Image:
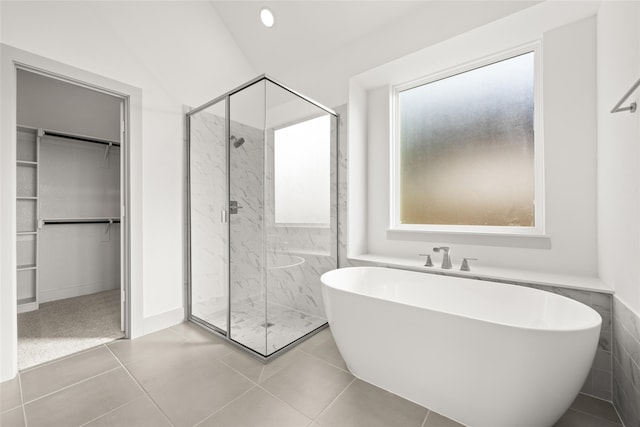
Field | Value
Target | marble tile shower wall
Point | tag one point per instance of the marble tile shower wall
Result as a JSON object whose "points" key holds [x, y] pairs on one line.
{"points": [[289, 283], [207, 233], [600, 379], [343, 171], [246, 169], [209, 237], [298, 285], [626, 363]]}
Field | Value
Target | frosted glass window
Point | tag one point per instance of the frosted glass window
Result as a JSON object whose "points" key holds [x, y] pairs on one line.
{"points": [[302, 172], [466, 154]]}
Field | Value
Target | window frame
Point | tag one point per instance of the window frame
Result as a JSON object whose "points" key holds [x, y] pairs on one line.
{"points": [[538, 229]]}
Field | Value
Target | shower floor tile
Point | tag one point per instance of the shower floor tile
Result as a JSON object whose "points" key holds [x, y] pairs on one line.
{"points": [[283, 325]]}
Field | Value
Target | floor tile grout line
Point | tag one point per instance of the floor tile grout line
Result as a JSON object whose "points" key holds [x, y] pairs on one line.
{"points": [[13, 408], [597, 416], [618, 414], [224, 406], [596, 398], [325, 361], [111, 411], [424, 422], [285, 402], [24, 411], [236, 371], [144, 391], [84, 380], [334, 399], [65, 357]]}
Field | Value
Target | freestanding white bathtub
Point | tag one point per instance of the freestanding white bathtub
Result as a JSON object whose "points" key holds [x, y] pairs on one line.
{"points": [[484, 354]]}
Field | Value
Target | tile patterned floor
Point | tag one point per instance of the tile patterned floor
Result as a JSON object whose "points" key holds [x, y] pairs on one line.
{"points": [[184, 376]]}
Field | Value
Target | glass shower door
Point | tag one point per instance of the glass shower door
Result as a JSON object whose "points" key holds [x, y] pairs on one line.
{"points": [[246, 218], [262, 214], [208, 228]]}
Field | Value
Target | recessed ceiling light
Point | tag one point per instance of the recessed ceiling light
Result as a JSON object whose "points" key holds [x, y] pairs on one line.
{"points": [[267, 18]]}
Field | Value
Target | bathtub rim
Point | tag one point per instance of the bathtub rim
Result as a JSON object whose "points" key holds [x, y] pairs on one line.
{"points": [[597, 318]]}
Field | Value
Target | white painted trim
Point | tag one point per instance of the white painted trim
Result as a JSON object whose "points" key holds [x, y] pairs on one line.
{"points": [[164, 320], [23, 308], [538, 229], [11, 57]]}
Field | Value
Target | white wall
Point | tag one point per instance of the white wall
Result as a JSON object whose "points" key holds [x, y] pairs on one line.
{"points": [[325, 79], [177, 53], [52, 104], [619, 151], [568, 33]]}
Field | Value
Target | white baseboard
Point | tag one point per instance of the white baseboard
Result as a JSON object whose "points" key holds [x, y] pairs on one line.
{"points": [[163, 320], [76, 291]]}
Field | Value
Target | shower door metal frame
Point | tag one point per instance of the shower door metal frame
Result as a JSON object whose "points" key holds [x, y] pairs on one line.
{"points": [[226, 334]]}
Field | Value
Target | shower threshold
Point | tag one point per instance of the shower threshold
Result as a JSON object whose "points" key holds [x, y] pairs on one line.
{"points": [[252, 331]]}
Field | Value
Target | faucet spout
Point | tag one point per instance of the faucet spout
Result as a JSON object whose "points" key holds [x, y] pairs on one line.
{"points": [[446, 258]]}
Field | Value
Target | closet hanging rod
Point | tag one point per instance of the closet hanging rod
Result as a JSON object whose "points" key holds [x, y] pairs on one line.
{"points": [[633, 106], [80, 138], [81, 221]]}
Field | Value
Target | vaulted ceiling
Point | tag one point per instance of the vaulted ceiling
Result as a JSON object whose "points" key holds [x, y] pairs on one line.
{"points": [[315, 46]]}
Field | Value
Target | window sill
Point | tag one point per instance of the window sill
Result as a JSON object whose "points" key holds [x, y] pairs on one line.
{"points": [[582, 283], [533, 241]]}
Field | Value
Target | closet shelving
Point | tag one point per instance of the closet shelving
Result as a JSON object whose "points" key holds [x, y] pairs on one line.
{"points": [[27, 158], [29, 221]]}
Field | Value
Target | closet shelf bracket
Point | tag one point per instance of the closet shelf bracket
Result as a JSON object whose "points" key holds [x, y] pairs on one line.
{"points": [[106, 154], [108, 227], [633, 106]]}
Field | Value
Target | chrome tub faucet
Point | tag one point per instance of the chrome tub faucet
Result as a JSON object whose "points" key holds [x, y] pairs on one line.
{"points": [[446, 258]]}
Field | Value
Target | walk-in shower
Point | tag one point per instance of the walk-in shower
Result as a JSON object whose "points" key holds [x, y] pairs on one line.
{"points": [[262, 221]]}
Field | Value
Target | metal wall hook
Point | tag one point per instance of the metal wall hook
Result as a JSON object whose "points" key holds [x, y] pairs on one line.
{"points": [[633, 106]]}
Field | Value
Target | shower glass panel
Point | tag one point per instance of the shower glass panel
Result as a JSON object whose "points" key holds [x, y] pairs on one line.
{"points": [[263, 199], [300, 220], [208, 229], [246, 221]]}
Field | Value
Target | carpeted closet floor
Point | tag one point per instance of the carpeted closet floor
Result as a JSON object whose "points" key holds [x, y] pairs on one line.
{"points": [[63, 327]]}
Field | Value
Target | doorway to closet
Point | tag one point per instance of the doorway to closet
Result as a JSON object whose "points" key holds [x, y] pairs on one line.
{"points": [[70, 282]]}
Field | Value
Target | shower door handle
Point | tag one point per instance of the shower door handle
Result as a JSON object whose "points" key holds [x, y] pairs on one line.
{"points": [[233, 207], [223, 216]]}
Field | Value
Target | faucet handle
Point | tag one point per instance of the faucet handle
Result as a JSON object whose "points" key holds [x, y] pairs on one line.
{"points": [[465, 264], [428, 262]]}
